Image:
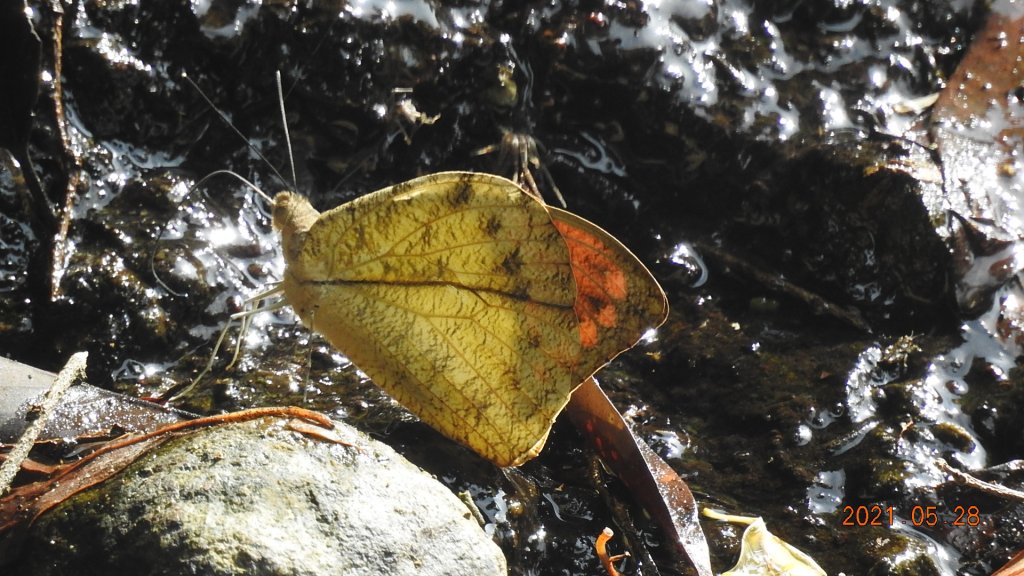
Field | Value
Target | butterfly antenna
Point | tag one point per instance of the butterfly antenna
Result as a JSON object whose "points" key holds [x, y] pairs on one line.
{"points": [[197, 186], [287, 136], [231, 125]]}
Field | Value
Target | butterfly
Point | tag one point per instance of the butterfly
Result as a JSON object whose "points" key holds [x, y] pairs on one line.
{"points": [[468, 300]]}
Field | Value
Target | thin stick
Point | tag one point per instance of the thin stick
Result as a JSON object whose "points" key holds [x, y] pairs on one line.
{"points": [[74, 368], [978, 484], [215, 420]]}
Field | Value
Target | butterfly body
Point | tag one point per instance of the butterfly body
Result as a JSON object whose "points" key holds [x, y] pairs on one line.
{"points": [[457, 293]]}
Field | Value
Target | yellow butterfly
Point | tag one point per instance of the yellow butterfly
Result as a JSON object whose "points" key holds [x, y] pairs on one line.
{"points": [[469, 301]]}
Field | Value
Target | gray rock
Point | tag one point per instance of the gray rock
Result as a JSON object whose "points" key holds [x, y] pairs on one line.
{"points": [[258, 498]]}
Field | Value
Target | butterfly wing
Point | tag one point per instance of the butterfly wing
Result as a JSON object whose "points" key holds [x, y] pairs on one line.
{"points": [[455, 293], [617, 298]]}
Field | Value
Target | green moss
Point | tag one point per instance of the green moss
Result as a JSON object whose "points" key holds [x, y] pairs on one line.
{"points": [[954, 435]]}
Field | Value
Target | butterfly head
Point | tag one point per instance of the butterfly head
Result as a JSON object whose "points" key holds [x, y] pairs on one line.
{"points": [[292, 217]]}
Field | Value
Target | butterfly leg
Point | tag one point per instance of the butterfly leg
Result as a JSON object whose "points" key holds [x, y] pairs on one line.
{"points": [[245, 317], [519, 153]]}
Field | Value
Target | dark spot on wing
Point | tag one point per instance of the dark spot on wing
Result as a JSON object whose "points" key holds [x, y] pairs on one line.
{"points": [[533, 339], [463, 191], [518, 291], [492, 226], [512, 263]]}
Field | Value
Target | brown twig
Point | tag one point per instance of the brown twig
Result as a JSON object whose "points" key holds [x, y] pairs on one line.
{"points": [[230, 418], [776, 283], [978, 484], [73, 167]]}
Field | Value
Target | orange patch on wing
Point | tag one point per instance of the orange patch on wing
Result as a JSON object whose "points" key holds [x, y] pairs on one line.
{"points": [[600, 282]]}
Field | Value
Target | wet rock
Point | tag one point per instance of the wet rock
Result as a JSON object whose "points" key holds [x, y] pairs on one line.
{"points": [[258, 498], [992, 536], [915, 565]]}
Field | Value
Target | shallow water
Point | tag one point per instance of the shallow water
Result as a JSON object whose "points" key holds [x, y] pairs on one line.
{"points": [[742, 131]]}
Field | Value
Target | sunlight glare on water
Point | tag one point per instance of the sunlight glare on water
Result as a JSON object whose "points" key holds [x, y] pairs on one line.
{"points": [[242, 16], [387, 10], [827, 491], [220, 236]]}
